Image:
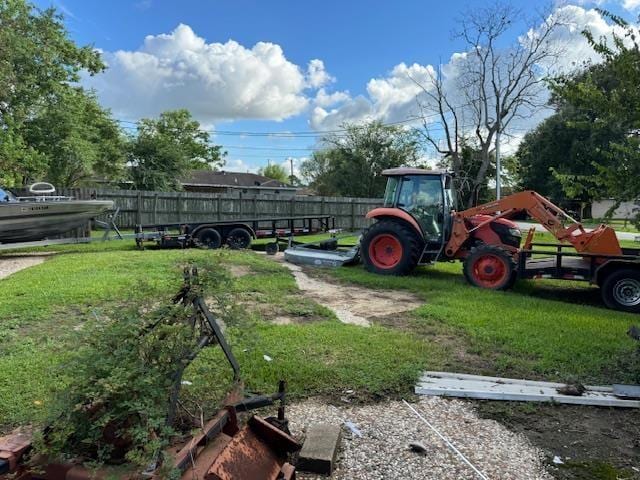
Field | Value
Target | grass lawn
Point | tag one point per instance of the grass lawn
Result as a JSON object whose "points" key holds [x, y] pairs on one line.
{"points": [[44, 307], [550, 330], [554, 330]]}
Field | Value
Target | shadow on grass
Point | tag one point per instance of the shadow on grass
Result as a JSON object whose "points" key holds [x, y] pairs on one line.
{"points": [[582, 294], [569, 292]]}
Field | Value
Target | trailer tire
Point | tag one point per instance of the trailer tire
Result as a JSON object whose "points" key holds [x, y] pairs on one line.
{"points": [[620, 290], [238, 239], [490, 267], [208, 238], [390, 248], [271, 248]]}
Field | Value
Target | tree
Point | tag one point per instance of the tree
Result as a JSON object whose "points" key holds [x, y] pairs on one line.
{"points": [[351, 163], [606, 102], [557, 158], [275, 171], [77, 139], [38, 62], [166, 148], [496, 85]]}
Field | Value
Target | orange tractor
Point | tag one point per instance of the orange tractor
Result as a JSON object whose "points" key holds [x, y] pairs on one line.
{"points": [[418, 224]]}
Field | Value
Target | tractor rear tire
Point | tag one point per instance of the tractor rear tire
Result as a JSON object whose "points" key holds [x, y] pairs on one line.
{"points": [[490, 267], [621, 290], [390, 248]]}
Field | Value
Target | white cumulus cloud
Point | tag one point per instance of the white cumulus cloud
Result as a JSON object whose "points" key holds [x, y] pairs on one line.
{"points": [[631, 5], [317, 76], [215, 81], [395, 96], [390, 98], [325, 99]]}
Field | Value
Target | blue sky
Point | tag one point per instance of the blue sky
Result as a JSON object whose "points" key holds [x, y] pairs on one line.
{"points": [[361, 46]]}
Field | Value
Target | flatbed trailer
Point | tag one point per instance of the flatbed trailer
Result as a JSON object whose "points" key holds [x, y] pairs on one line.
{"points": [[614, 274], [236, 234], [569, 265]]}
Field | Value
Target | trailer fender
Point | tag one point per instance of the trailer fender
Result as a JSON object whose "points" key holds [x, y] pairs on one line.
{"points": [[395, 214], [611, 266]]}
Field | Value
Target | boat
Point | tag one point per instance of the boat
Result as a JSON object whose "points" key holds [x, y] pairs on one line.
{"points": [[42, 214]]}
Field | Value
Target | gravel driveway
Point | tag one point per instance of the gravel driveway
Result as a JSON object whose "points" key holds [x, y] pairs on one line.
{"points": [[382, 452]]}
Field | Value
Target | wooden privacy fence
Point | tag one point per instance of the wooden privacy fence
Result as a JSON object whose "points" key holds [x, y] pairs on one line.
{"points": [[142, 207]]}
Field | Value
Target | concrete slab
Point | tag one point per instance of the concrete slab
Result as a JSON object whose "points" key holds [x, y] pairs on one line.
{"points": [[320, 449]]}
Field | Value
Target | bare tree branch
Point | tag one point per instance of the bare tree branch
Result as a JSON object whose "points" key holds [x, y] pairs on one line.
{"points": [[498, 84]]}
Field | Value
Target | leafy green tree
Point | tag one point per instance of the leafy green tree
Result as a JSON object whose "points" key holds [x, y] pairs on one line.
{"points": [[275, 171], [558, 157], [167, 147], [351, 164], [78, 139], [38, 62], [605, 101]]}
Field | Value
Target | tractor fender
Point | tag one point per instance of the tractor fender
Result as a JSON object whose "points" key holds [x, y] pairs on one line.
{"points": [[395, 213]]}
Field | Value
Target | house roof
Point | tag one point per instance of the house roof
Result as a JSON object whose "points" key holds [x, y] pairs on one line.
{"points": [[207, 178]]}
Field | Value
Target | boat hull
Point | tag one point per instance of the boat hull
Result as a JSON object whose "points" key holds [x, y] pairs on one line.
{"points": [[31, 221]]}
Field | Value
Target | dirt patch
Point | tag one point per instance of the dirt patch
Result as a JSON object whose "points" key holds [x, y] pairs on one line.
{"points": [[592, 442], [379, 448], [253, 302], [285, 320], [10, 264], [238, 271], [351, 304]]}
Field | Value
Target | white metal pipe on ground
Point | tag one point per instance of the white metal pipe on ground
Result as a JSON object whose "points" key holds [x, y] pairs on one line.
{"points": [[447, 442]]}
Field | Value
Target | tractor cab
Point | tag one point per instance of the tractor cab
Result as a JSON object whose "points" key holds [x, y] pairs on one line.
{"points": [[414, 224], [425, 195]]}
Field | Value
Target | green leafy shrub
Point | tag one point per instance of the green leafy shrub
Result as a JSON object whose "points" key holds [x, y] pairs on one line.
{"points": [[121, 400]]}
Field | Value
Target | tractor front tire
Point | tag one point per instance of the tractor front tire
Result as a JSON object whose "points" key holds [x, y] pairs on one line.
{"points": [[390, 248], [490, 267]]}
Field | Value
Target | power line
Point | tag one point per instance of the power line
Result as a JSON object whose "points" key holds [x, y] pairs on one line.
{"points": [[243, 147]]}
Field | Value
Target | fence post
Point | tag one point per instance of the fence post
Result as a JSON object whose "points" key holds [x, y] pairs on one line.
{"points": [[240, 205], [155, 208], [218, 202], [292, 211], [179, 207], [139, 208], [255, 206], [353, 215]]}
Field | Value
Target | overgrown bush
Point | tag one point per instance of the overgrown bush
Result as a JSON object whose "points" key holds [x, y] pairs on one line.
{"points": [[118, 405]]}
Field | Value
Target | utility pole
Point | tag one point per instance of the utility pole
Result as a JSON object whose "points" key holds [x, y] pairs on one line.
{"points": [[498, 166], [291, 165]]}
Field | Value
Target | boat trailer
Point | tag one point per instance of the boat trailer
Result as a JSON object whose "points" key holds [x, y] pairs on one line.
{"points": [[223, 449]]}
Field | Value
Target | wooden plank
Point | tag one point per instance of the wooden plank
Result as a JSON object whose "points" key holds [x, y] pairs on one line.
{"points": [[514, 381], [495, 388]]}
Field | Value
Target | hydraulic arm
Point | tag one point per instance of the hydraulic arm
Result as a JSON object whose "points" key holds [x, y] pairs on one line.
{"points": [[601, 240]]}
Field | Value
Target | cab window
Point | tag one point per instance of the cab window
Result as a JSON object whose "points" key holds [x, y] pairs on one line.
{"points": [[421, 196], [390, 192]]}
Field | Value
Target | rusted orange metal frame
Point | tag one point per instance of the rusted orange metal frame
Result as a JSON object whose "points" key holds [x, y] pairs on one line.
{"points": [[600, 240]]}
